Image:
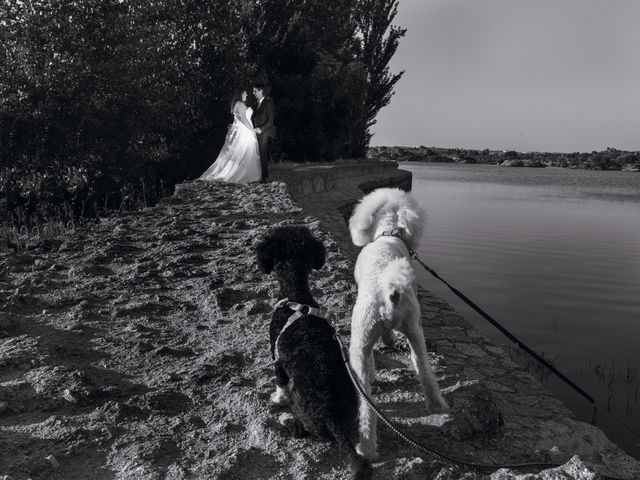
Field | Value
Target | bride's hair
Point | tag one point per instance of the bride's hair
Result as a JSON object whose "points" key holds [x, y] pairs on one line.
{"points": [[236, 97]]}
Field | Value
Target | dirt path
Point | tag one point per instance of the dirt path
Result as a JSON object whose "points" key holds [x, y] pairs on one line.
{"points": [[139, 350]]}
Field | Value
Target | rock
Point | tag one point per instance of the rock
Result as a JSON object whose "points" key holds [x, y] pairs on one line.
{"points": [[475, 415], [175, 352], [56, 267], [411, 469], [144, 347], [455, 473], [121, 412], [574, 469], [53, 461], [8, 324], [290, 423], [536, 164], [256, 307], [167, 402], [17, 396], [512, 163], [68, 396]]}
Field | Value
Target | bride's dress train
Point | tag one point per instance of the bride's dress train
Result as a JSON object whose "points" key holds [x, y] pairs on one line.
{"points": [[239, 159]]}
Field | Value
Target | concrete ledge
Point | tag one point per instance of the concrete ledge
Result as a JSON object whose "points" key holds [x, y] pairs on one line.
{"points": [[308, 178]]}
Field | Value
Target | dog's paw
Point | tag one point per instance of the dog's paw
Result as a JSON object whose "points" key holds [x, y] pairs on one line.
{"points": [[286, 419], [368, 452], [280, 397], [438, 406]]}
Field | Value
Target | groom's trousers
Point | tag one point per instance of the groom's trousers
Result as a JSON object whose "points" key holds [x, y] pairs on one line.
{"points": [[264, 148]]}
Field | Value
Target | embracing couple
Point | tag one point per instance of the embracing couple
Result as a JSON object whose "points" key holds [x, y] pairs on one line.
{"points": [[244, 157]]}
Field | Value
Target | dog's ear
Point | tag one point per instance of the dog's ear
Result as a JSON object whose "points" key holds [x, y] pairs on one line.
{"points": [[318, 253], [411, 219], [266, 251]]}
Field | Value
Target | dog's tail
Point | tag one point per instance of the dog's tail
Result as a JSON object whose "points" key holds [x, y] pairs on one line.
{"points": [[360, 466], [409, 216], [397, 279]]}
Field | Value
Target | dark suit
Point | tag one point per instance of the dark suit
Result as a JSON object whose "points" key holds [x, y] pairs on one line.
{"points": [[262, 118]]}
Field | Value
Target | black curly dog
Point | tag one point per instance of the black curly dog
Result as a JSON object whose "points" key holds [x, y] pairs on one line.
{"points": [[309, 365]]}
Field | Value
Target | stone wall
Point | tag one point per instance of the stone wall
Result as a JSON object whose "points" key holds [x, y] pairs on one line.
{"points": [[305, 178]]}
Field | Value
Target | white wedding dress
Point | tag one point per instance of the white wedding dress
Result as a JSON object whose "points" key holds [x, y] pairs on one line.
{"points": [[239, 159]]}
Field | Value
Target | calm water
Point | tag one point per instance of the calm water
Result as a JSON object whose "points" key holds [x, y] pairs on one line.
{"points": [[554, 255]]}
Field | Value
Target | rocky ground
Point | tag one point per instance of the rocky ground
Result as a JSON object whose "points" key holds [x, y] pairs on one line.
{"points": [[139, 350]]}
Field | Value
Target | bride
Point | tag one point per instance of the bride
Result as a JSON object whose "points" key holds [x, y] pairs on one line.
{"points": [[239, 160]]}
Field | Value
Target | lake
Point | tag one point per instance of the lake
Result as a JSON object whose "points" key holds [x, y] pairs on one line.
{"points": [[554, 255]]}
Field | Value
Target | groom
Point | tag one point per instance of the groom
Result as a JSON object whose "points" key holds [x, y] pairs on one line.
{"points": [[262, 120]]}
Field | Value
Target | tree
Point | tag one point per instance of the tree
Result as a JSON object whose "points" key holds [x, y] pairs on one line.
{"points": [[378, 43], [307, 51]]}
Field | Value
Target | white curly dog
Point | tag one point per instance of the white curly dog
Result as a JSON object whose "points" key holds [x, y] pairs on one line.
{"points": [[385, 222]]}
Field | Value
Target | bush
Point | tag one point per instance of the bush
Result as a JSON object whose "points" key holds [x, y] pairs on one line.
{"points": [[99, 96]]}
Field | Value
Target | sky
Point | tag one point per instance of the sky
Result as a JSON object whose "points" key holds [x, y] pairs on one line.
{"points": [[525, 75]]}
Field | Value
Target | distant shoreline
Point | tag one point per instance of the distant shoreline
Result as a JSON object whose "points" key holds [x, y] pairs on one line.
{"points": [[610, 159]]}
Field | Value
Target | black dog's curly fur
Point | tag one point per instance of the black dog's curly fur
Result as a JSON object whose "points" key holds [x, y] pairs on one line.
{"points": [[324, 403]]}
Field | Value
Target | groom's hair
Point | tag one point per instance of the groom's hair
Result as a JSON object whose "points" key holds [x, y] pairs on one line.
{"points": [[263, 87]]}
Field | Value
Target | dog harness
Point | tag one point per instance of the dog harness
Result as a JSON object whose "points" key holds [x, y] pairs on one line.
{"points": [[392, 232], [299, 311]]}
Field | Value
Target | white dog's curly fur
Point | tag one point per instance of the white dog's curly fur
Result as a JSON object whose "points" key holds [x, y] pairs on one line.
{"points": [[387, 296]]}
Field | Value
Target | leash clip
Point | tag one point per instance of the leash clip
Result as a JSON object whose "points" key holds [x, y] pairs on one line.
{"points": [[343, 349]]}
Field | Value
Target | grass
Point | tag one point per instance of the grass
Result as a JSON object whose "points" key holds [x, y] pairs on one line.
{"points": [[528, 363], [627, 376], [622, 383], [22, 230]]}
